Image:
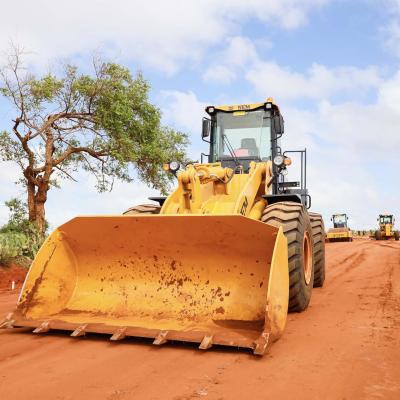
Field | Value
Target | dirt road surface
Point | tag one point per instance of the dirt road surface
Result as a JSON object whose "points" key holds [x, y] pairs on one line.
{"points": [[345, 346]]}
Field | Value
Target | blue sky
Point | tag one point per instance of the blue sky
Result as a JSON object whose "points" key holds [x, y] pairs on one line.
{"points": [[332, 66]]}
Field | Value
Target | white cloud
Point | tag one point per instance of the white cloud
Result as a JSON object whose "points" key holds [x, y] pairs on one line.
{"points": [[392, 34], [182, 109], [240, 57], [389, 93], [239, 52], [162, 34], [391, 28], [317, 83], [289, 14], [219, 73]]}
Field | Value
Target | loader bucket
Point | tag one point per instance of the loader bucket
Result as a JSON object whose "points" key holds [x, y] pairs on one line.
{"points": [[217, 279]]}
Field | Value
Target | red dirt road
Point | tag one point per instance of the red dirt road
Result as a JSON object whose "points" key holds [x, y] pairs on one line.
{"points": [[12, 273], [345, 346]]}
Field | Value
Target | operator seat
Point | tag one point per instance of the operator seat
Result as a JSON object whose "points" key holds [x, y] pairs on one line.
{"points": [[251, 145]]}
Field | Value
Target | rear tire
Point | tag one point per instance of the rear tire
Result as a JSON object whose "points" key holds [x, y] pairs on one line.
{"points": [[296, 225], [396, 235], [143, 209], [318, 230], [378, 235]]}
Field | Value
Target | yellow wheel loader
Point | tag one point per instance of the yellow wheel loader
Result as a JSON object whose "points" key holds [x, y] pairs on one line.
{"points": [[385, 231], [217, 262], [340, 231]]}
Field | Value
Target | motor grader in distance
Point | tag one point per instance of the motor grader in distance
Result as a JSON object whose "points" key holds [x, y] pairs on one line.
{"points": [[385, 230], [340, 231], [219, 261]]}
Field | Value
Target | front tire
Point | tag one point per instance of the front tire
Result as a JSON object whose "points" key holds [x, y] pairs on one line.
{"points": [[318, 230], [296, 225], [396, 235], [378, 235]]}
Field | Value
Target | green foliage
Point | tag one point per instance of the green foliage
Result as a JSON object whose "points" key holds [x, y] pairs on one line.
{"points": [[12, 245], [44, 89], [18, 214], [19, 237]]}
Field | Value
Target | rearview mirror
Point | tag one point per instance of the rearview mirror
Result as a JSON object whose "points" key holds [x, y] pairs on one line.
{"points": [[206, 128], [278, 124]]}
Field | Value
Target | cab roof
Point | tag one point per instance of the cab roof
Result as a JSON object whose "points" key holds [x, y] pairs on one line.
{"points": [[268, 104]]}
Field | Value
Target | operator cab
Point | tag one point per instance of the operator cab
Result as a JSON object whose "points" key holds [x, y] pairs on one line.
{"points": [[241, 137], [244, 133], [339, 220], [386, 219]]}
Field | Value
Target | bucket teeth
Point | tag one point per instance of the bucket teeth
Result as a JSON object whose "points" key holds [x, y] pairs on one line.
{"points": [[206, 343], [119, 334], [79, 331], [161, 338], [43, 328], [261, 344], [8, 322]]}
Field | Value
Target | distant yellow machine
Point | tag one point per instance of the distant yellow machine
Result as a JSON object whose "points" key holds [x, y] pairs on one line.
{"points": [[340, 231], [218, 261], [385, 230]]}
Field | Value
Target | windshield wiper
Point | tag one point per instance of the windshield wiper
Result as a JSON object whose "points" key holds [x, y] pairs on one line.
{"points": [[230, 148]]}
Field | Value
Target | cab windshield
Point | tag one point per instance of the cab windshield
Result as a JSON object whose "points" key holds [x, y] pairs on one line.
{"points": [[386, 219], [242, 134], [339, 221]]}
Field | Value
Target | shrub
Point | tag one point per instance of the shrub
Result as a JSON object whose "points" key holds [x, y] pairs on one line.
{"points": [[19, 237], [12, 245]]}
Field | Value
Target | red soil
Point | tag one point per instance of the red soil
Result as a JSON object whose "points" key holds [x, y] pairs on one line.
{"points": [[11, 273]]}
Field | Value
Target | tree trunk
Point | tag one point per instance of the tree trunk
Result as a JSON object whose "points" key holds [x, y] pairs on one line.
{"points": [[40, 218], [39, 186], [37, 197], [31, 201]]}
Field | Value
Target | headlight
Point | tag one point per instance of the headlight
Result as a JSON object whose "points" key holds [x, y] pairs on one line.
{"points": [[287, 161], [284, 172], [174, 166], [279, 160]]}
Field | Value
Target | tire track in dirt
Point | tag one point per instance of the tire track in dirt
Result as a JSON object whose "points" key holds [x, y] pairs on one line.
{"points": [[354, 256]]}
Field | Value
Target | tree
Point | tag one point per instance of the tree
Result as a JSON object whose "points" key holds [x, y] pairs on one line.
{"points": [[102, 123]]}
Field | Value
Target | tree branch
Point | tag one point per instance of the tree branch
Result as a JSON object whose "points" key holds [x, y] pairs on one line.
{"points": [[73, 150], [65, 172]]}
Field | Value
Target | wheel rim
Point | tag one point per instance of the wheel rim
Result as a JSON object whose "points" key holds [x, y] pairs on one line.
{"points": [[307, 257]]}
